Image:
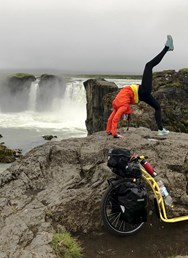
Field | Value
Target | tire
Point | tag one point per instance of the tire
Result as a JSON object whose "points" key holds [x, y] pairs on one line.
{"points": [[112, 214]]}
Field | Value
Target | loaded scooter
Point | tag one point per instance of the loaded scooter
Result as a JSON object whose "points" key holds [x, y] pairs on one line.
{"points": [[124, 203]]}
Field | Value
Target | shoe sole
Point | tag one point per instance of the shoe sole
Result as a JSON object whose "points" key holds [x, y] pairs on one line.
{"points": [[169, 37], [163, 134]]}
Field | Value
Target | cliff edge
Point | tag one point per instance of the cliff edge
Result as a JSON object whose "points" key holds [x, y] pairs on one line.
{"points": [[60, 184]]}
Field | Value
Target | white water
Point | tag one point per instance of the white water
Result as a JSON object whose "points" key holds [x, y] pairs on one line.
{"points": [[33, 94]]}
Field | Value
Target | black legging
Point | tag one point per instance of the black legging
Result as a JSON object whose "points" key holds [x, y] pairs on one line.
{"points": [[145, 88]]}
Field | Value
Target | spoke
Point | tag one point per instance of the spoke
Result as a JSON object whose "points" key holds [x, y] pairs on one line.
{"points": [[121, 225], [116, 218], [111, 215], [124, 226]]}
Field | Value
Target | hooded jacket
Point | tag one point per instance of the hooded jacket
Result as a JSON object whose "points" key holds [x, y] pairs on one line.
{"points": [[128, 95]]}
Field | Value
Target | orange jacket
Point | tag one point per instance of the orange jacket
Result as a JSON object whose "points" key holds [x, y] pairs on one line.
{"points": [[128, 95]]}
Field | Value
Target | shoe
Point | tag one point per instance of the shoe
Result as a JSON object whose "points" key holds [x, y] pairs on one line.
{"points": [[169, 43], [163, 132], [109, 133], [118, 136]]}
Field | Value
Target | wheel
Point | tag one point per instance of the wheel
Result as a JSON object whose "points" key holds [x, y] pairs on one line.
{"points": [[112, 215]]}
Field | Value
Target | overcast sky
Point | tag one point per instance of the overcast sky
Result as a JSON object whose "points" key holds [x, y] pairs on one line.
{"points": [[92, 36]]}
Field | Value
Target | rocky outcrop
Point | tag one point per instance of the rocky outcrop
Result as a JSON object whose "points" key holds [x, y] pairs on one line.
{"points": [[22, 92], [170, 88], [46, 78], [15, 92], [48, 137], [20, 81], [8, 155], [96, 113], [60, 185]]}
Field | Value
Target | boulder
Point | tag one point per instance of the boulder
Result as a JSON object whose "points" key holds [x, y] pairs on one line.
{"points": [[48, 137], [8, 155], [60, 185]]}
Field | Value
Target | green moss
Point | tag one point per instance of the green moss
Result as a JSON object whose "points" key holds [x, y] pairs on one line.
{"points": [[5, 150], [175, 85], [162, 73], [23, 75], [185, 167], [65, 246], [185, 122], [6, 154], [184, 70]]}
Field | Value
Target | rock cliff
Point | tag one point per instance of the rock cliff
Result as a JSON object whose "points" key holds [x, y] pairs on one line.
{"points": [[60, 184], [170, 88], [96, 113]]}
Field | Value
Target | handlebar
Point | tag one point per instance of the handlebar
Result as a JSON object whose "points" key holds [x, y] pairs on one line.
{"points": [[138, 157], [142, 157]]}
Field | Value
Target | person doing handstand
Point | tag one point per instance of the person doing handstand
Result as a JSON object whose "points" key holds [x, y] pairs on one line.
{"points": [[132, 94]]}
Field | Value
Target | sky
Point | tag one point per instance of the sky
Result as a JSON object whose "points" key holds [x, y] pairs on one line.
{"points": [[92, 36]]}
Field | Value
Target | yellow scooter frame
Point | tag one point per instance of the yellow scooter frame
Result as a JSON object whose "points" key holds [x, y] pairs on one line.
{"points": [[160, 202]]}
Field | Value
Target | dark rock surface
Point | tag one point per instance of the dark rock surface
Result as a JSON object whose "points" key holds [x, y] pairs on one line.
{"points": [[96, 113], [60, 184], [48, 137]]}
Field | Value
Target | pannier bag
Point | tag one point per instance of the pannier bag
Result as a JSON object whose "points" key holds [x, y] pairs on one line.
{"points": [[120, 164], [133, 170], [118, 157], [132, 198]]}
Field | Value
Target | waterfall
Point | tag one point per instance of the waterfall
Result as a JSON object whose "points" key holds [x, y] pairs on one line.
{"points": [[75, 92], [52, 105], [33, 94], [71, 108]]}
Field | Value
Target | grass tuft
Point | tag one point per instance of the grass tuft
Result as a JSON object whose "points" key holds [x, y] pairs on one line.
{"points": [[66, 246]]}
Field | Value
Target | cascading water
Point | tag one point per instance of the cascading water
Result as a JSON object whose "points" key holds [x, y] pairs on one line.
{"points": [[33, 94], [71, 109]]}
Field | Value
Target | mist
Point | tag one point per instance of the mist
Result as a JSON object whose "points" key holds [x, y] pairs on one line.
{"points": [[94, 36]]}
